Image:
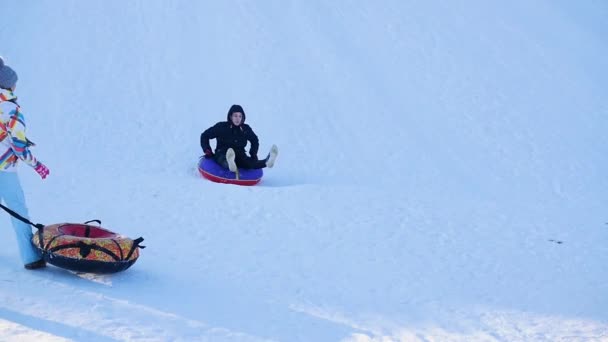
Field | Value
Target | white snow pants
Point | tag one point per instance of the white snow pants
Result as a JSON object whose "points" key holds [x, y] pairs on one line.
{"points": [[11, 194]]}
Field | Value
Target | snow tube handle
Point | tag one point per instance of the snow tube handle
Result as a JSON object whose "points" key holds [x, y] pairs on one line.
{"points": [[40, 231], [136, 243], [89, 221]]}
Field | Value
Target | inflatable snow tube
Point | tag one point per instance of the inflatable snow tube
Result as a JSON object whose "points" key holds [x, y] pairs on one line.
{"points": [[86, 248], [215, 173]]}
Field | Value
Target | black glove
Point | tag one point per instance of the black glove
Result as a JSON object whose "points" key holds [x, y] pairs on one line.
{"points": [[208, 154]]}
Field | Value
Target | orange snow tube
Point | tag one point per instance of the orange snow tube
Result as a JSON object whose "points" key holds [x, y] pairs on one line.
{"points": [[86, 248]]}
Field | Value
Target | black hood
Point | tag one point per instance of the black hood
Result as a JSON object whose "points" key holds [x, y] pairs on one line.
{"points": [[233, 109]]}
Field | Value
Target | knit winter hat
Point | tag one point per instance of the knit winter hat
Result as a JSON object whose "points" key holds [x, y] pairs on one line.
{"points": [[236, 108], [8, 76]]}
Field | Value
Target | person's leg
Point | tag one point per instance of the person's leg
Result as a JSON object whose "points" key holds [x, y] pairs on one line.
{"points": [[220, 159], [11, 192], [245, 162], [230, 160], [272, 156]]}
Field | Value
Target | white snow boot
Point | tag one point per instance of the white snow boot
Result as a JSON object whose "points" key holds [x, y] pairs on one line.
{"points": [[272, 156], [230, 159]]}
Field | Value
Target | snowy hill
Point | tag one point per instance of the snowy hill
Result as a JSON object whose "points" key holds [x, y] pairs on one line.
{"points": [[431, 155]]}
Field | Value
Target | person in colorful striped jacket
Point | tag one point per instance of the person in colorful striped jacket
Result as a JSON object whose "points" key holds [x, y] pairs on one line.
{"points": [[15, 147]]}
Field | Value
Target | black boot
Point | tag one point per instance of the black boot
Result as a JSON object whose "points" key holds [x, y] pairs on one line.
{"points": [[36, 264]]}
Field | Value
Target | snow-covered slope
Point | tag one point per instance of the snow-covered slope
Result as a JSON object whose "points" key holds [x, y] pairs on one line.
{"points": [[431, 153]]}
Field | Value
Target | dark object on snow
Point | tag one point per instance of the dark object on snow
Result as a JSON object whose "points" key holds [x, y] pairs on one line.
{"points": [[36, 265]]}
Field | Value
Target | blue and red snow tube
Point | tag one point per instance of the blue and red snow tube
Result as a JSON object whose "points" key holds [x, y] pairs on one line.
{"points": [[211, 170]]}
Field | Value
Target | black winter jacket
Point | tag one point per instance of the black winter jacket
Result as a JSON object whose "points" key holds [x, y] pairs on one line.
{"points": [[230, 136]]}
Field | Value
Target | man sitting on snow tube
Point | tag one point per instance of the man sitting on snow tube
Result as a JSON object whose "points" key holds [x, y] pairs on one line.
{"points": [[232, 136]]}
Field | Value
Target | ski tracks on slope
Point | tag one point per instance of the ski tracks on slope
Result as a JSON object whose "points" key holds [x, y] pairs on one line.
{"points": [[58, 308]]}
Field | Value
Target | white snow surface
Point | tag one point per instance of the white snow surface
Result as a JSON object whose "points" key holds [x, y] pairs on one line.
{"points": [[442, 173]]}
